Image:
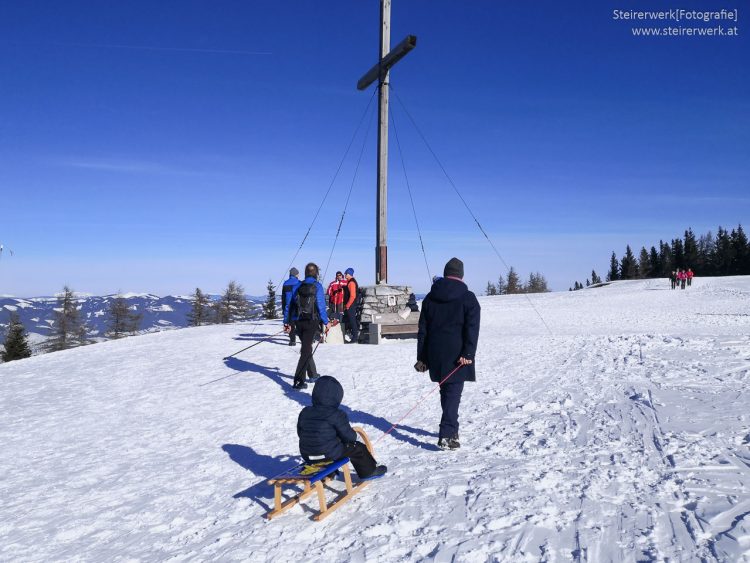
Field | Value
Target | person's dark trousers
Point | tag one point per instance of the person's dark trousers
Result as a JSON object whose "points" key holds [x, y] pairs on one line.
{"points": [[450, 399], [292, 333], [361, 458], [306, 364], [351, 321]]}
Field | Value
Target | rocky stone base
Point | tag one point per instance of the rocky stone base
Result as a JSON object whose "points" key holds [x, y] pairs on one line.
{"points": [[382, 299]]}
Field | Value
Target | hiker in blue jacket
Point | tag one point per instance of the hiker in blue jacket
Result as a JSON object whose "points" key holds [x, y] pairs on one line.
{"points": [[307, 309], [286, 289], [447, 338], [325, 434]]}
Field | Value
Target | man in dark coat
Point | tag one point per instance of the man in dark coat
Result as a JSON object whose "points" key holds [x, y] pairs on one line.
{"points": [[447, 339], [325, 434]]}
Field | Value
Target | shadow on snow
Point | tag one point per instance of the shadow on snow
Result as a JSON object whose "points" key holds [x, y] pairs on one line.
{"points": [[274, 338], [355, 416], [264, 466]]}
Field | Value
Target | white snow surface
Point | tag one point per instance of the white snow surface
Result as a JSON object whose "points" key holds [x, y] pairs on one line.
{"points": [[623, 435]]}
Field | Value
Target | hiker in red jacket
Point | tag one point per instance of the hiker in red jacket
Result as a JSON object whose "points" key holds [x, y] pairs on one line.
{"points": [[682, 277], [690, 277], [336, 296]]}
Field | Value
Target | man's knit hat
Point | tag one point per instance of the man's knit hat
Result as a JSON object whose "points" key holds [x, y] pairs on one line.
{"points": [[454, 268]]}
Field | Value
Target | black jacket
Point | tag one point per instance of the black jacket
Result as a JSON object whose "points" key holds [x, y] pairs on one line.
{"points": [[323, 428], [448, 329]]}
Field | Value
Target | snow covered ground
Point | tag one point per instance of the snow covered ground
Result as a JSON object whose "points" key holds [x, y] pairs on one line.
{"points": [[621, 434]]}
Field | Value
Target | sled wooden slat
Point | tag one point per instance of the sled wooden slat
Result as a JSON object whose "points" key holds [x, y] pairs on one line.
{"points": [[313, 482]]}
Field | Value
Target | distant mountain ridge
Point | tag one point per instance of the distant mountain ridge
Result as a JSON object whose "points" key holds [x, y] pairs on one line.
{"points": [[158, 313]]}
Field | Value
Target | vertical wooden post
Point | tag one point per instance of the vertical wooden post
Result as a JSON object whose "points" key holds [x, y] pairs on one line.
{"points": [[381, 251]]}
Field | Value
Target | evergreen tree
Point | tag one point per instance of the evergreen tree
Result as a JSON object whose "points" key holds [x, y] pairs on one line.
{"points": [[501, 287], [704, 262], [588, 283], [723, 257], [654, 263], [122, 319], [595, 279], [740, 251], [68, 330], [200, 314], [665, 259], [690, 249], [491, 289], [644, 264], [678, 254], [514, 283], [233, 305], [536, 284], [628, 265], [614, 268], [269, 307], [16, 345]]}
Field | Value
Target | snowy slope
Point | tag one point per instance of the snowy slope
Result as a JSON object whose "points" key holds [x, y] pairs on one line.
{"points": [[622, 434]]}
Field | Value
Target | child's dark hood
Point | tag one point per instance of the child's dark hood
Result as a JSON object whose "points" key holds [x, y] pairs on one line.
{"points": [[448, 289], [327, 392]]}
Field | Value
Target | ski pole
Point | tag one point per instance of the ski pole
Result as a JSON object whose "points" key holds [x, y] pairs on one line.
{"points": [[255, 344], [392, 428]]}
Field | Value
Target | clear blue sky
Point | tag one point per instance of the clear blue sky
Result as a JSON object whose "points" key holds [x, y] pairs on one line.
{"points": [[161, 146]]}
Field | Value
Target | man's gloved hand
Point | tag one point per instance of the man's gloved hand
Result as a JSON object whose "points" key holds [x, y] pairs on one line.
{"points": [[287, 328], [420, 366]]}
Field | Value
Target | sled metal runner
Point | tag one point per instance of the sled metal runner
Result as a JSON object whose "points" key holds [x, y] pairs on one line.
{"points": [[312, 478]]}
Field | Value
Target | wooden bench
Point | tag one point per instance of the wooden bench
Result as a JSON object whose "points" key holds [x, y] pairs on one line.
{"points": [[312, 477]]}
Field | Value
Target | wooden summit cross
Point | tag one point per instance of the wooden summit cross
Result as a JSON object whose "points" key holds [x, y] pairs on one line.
{"points": [[381, 72]]}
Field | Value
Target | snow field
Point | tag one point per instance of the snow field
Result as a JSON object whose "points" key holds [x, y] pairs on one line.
{"points": [[623, 435]]}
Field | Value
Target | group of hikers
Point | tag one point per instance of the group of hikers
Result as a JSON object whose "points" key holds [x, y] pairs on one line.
{"points": [[307, 316], [446, 345], [681, 278]]}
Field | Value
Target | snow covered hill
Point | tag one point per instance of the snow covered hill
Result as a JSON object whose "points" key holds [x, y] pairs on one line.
{"points": [[158, 313], [622, 433]]}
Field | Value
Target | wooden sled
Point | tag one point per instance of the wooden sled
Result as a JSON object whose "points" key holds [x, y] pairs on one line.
{"points": [[312, 478]]}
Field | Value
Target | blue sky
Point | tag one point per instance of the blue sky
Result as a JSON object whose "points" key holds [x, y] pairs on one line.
{"points": [[163, 146]]}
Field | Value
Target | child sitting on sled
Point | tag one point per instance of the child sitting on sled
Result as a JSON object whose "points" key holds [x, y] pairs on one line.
{"points": [[325, 434]]}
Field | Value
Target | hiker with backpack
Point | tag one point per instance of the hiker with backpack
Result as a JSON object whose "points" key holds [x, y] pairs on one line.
{"points": [[351, 301], [307, 308], [286, 289]]}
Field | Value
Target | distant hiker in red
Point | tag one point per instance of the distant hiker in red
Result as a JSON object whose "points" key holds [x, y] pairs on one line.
{"points": [[682, 276], [325, 434], [447, 339], [690, 277], [351, 300], [336, 296]]}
